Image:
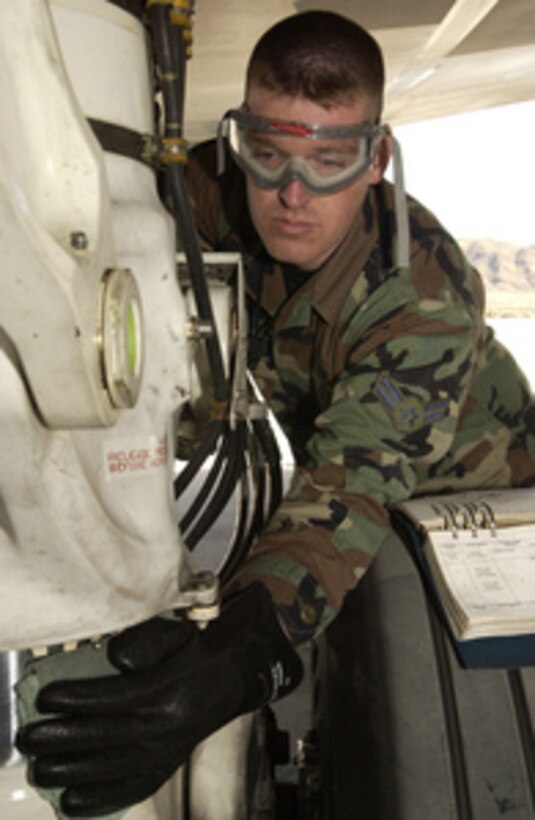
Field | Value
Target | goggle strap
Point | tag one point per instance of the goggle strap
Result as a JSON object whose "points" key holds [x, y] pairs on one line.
{"points": [[222, 132], [402, 216], [299, 129]]}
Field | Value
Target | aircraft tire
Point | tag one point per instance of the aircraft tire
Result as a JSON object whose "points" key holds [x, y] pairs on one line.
{"points": [[406, 733]]}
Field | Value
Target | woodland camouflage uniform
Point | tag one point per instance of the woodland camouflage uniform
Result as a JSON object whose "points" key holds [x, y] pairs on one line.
{"points": [[386, 381]]}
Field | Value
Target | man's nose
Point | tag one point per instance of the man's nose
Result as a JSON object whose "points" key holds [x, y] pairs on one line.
{"points": [[294, 194]]}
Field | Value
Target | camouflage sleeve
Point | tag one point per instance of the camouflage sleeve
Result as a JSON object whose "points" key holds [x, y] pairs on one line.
{"points": [[394, 410]]}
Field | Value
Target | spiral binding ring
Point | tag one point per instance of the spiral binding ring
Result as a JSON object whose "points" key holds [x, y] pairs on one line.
{"points": [[470, 516]]}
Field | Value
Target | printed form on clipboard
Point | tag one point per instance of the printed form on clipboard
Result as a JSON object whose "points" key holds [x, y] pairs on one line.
{"points": [[477, 549]]}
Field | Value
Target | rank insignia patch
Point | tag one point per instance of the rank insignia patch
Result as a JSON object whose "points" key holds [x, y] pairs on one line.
{"points": [[408, 412]]}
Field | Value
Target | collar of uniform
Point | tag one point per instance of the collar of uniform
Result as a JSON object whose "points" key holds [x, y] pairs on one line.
{"points": [[330, 286]]}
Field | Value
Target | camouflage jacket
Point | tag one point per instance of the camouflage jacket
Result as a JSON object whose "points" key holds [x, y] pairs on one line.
{"points": [[386, 381]]}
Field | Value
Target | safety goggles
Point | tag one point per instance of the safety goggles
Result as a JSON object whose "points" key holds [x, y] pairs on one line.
{"points": [[337, 157]]}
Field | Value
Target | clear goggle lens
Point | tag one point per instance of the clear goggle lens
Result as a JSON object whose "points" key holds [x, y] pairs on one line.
{"points": [[338, 156]]}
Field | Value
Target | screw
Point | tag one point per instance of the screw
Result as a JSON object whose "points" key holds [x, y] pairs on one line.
{"points": [[79, 240], [202, 580]]}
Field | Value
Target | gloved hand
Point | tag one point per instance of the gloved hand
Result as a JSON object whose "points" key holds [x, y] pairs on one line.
{"points": [[118, 739]]}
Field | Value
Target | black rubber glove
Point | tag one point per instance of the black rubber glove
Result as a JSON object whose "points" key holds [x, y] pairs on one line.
{"points": [[119, 738]]}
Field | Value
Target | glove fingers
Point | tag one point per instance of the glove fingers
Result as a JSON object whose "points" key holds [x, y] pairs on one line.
{"points": [[49, 736], [97, 696], [50, 772], [147, 644]]}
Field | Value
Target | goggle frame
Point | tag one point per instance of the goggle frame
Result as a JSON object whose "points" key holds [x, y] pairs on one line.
{"points": [[296, 167]]}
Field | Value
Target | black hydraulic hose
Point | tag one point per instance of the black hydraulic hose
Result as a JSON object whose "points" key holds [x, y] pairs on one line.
{"points": [[171, 60], [268, 497], [227, 485], [243, 539], [169, 74], [221, 496], [241, 518], [200, 291], [179, 57], [270, 448], [208, 484], [199, 457]]}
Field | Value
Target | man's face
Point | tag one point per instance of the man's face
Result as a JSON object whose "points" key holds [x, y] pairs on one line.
{"points": [[295, 225]]}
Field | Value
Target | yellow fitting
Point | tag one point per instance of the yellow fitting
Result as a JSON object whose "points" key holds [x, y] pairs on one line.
{"points": [[173, 159], [175, 150], [183, 4], [179, 19], [218, 410]]}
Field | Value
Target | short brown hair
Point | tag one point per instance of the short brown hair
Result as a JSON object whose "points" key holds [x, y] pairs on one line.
{"points": [[320, 55]]}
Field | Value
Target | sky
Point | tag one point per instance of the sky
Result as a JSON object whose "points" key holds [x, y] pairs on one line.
{"points": [[476, 171]]}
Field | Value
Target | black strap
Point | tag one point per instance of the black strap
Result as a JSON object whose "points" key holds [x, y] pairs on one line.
{"points": [[124, 141]]}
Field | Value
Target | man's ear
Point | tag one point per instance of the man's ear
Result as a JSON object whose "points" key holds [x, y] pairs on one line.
{"points": [[382, 158]]}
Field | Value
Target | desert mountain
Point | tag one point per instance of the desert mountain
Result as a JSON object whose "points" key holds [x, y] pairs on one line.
{"points": [[509, 274]]}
